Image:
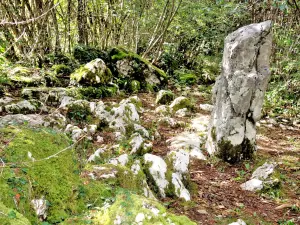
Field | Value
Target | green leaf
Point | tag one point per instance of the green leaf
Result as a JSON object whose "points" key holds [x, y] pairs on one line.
{"points": [[12, 214]]}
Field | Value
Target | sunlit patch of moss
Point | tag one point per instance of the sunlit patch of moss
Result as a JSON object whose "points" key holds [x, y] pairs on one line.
{"points": [[127, 206], [57, 178], [124, 177], [9, 216], [24, 76]]}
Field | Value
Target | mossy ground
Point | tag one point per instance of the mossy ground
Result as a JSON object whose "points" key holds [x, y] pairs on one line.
{"points": [[128, 205], [57, 179]]}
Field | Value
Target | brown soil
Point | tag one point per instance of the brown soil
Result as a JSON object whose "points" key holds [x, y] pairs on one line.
{"points": [[216, 194]]}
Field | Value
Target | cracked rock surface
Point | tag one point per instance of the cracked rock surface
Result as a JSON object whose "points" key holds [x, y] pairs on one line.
{"points": [[239, 92]]}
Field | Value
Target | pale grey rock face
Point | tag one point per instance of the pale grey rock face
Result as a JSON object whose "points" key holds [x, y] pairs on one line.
{"points": [[200, 124], [239, 92], [238, 222], [180, 190], [169, 121], [55, 120], [24, 107], [5, 100], [162, 109], [164, 97], [66, 100], [76, 132], [120, 160], [190, 142], [102, 172], [252, 185], [264, 171], [40, 207], [96, 154], [31, 120], [49, 96], [124, 67], [182, 112], [261, 177], [180, 160], [157, 169], [180, 103], [142, 130], [206, 107]]}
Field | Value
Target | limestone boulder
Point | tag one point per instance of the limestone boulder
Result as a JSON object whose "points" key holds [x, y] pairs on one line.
{"points": [[93, 73], [31, 120], [129, 67], [23, 107], [164, 97], [262, 178], [180, 103], [190, 142]]}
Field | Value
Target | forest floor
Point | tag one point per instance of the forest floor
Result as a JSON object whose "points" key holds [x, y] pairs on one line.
{"points": [[217, 197]]}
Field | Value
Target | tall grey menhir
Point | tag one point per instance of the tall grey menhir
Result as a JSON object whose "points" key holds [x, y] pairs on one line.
{"points": [[239, 92]]}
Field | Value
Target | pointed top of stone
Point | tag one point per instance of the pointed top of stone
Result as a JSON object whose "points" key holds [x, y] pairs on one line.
{"points": [[250, 31]]}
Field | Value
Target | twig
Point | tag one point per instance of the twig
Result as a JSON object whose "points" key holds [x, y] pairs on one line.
{"points": [[44, 159], [16, 41]]}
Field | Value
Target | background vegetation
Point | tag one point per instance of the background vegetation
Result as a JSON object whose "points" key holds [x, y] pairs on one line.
{"points": [[183, 37]]}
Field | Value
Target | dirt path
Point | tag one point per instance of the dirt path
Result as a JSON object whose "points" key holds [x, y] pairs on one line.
{"points": [[216, 194]]}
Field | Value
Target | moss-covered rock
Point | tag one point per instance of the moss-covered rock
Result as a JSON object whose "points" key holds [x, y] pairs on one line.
{"points": [[23, 76], [134, 209], [93, 73], [49, 96], [180, 103], [116, 175], [62, 70], [130, 65], [164, 97], [23, 107]]}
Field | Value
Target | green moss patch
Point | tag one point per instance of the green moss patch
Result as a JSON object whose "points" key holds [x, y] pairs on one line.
{"points": [[188, 78], [234, 154], [9, 216], [56, 179], [129, 208]]}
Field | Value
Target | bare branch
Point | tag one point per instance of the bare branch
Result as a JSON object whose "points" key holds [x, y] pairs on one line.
{"points": [[7, 23]]}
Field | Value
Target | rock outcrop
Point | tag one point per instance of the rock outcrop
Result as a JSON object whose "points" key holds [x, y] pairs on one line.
{"points": [[239, 92], [93, 73], [262, 177]]}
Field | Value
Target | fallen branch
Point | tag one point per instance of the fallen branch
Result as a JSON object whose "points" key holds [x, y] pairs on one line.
{"points": [[43, 159]]}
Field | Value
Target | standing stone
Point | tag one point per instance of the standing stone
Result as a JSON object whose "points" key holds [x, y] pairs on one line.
{"points": [[239, 92]]}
